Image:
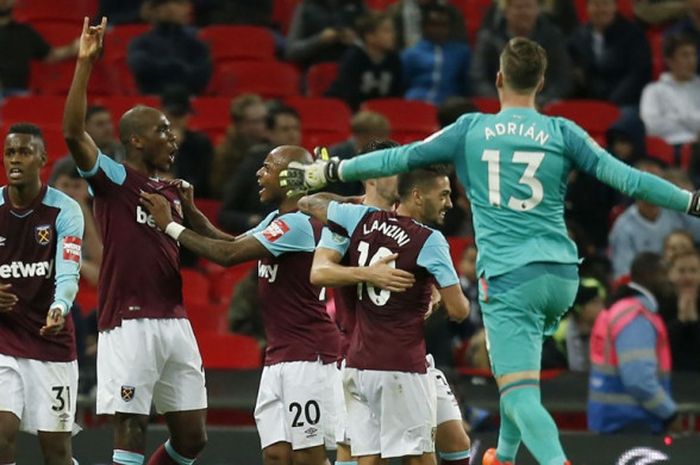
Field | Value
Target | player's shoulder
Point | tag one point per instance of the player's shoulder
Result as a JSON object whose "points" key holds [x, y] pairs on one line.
{"points": [[295, 220], [57, 199]]}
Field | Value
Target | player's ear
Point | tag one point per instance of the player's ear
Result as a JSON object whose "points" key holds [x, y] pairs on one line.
{"points": [[499, 80], [540, 86], [136, 141]]}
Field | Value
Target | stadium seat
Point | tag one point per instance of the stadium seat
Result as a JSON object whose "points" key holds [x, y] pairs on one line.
{"points": [[282, 12], [225, 281], [655, 37], [410, 120], [210, 208], [87, 297], [122, 77], [379, 5], [269, 79], [208, 317], [486, 104], [228, 43], [229, 351], [57, 34], [595, 116], [16, 109], [210, 114], [457, 246], [119, 37], [69, 11], [324, 121], [671, 155], [473, 12], [320, 77], [55, 78], [195, 287], [118, 105]]}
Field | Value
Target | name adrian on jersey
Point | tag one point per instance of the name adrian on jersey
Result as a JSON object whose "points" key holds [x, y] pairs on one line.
{"points": [[26, 270]]}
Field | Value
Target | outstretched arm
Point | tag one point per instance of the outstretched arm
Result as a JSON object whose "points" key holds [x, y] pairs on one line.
{"points": [[195, 218], [81, 145], [328, 272], [316, 205], [222, 252]]}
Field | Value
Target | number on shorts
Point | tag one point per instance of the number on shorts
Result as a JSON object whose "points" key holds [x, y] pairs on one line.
{"points": [[61, 400], [312, 413], [379, 297]]}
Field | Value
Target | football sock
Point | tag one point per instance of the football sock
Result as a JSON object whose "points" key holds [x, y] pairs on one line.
{"points": [[455, 458], [522, 404], [167, 455], [125, 457], [509, 434]]}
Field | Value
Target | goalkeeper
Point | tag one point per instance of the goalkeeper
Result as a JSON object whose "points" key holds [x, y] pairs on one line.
{"points": [[514, 166]]}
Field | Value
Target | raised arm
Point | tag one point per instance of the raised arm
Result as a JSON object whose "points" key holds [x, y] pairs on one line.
{"points": [[222, 252], [316, 205], [80, 144], [195, 218]]}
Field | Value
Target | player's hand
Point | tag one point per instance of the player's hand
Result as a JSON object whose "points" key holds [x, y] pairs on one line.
{"points": [[383, 276], [55, 321], [159, 208], [91, 40], [435, 301], [300, 178], [186, 191], [7, 299]]}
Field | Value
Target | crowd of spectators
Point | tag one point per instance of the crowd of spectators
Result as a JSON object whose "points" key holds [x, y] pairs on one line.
{"points": [[419, 50]]}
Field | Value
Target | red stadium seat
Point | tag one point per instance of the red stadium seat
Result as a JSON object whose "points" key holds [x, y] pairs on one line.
{"points": [[320, 77], [70, 11], [473, 12], [55, 78], [16, 109], [324, 121], [282, 12], [210, 114], [379, 5], [410, 120], [123, 78], [208, 317], [655, 37], [595, 116], [269, 79], [57, 34], [487, 104], [210, 208], [229, 351], [87, 297], [118, 105], [195, 287], [239, 43], [119, 37], [659, 149]]}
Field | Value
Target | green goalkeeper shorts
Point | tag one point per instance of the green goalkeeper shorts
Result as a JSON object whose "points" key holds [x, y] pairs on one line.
{"points": [[522, 306]]}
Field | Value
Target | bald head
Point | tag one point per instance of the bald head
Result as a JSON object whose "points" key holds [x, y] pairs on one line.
{"points": [[133, 122], [288, 153]]}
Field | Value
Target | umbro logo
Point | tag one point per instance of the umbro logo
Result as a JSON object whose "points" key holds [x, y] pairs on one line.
{"points": [[2, 241]]}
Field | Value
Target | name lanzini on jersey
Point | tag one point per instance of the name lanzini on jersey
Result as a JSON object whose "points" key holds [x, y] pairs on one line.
{"points": [[390, 230], [516, 129]]}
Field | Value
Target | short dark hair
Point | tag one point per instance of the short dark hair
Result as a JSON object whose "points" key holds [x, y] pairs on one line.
{"points": [[278, 110], [523, 63], [419, 177], [26, 128], [370, 22], [64, 167], [428, 10], [644, 265], [95, 109], [379, 144], [675, 41]]}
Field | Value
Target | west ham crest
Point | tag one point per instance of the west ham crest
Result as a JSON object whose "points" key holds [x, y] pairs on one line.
{"points": [[42, 234], [128, 393]]}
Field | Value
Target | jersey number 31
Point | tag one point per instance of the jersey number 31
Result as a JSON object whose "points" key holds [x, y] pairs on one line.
{"points": [[533, 160]]}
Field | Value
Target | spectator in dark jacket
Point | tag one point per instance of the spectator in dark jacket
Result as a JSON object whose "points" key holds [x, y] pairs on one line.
{"points": [[612, 59], [372, 69], [170, 54], [321, 30], [19, 44], [522, 18], [241, 208], [408, 15], [122, 11], [436, 68], [689, 25]]}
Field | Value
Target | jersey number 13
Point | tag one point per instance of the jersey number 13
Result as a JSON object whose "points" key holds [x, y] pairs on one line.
{"points": [[533, 160]]}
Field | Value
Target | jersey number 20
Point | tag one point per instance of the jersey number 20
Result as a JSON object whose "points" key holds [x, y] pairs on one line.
{"points": [[533, 160], [379, 297]]}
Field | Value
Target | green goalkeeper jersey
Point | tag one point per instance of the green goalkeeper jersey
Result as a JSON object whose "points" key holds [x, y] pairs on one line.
{"points": [[514, 166]]}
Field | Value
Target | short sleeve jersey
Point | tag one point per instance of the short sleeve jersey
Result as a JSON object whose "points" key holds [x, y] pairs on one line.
{"points": [[40, 258], [297, 326], [140, 273], [389, 327]]}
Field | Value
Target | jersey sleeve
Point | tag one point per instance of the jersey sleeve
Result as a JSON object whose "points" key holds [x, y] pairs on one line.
{"points": [[288, 233], [435, 257], [69, 229], [262, 225], [343, 218], [589, 157], [334, 241], [106, 174], [441, 147]]}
